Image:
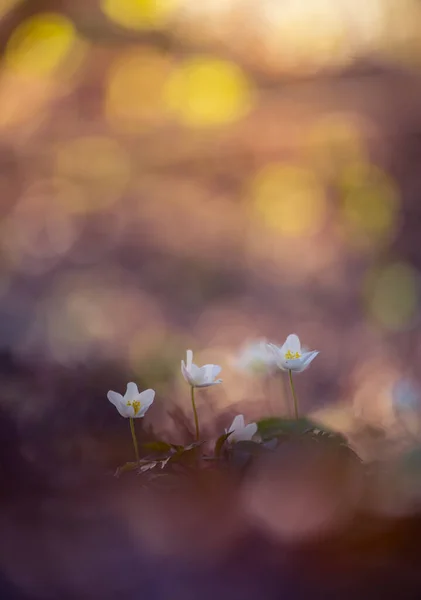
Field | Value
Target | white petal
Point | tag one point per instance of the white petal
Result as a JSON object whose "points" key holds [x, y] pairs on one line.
{"points": [[308, 358], [204, 385], [206, 373], [246, 433], [243, 434], [250, 430], [189, 361], [115, 398], [127, 411], [293, 364], [146, 399], [292, 343], [131, 393], [196, 375], [118, 401], [279, 356], [186, 374], [238, 423]]}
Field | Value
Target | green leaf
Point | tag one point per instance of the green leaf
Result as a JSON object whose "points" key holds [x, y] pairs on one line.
{"points": [[327, 435], [278, 427], [187, 455], [220, 443], [157, 446], [129, 466]]}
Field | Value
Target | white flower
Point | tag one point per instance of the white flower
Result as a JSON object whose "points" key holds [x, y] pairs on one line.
{"points": [[199, 376], [240, 431], [290, 356], [132, 404], [256, 358]]}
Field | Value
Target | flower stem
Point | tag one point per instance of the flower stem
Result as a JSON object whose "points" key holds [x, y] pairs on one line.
{"points": [[196, 420], [136, 449], [294, 396]]}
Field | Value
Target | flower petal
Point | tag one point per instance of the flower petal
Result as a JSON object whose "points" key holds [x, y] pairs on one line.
{"points": [[127, 411], [293, 364], [131, 393], [238, 423], [208, 373], [308, 357], [292, 343], [118, 401], [189, 359], [186, 374], [146, 399], [277, 352], [115, 398], [250, 430]]}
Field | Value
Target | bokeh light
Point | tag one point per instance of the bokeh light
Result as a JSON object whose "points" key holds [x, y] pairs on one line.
{"points": [[205, 91], [392, 295], [135, 89], [289, 199], [42, 45], [139, 14], [370, 205]]}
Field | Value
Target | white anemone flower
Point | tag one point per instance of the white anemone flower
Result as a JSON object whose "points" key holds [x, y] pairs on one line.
{"points": [[199, 377], [240, 432], [291, 357], [133, 405], [256, 358]]}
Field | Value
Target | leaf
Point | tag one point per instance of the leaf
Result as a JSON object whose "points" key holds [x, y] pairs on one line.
{"points": [[276, 427], [279, 426], [147, 466], [157, 446], [129, 466], [327, 435], [220, 443], [187, 455]]}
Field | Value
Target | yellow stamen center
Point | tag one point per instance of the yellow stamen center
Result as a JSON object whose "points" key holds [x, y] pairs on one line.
{"points": [[292, 355], [135, 404]]}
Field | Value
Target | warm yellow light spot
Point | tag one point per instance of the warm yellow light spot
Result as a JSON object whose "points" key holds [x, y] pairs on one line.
{"points": [[292, 355], [43, 44], [99, 166], [289, 199], [139, 14], [205, 92], [135, 88], [392, 295], [135, 404], [370, 205]]}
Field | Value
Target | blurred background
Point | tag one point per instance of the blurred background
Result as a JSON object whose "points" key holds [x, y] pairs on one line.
{"points": [[193, 174], [177, 174]]}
